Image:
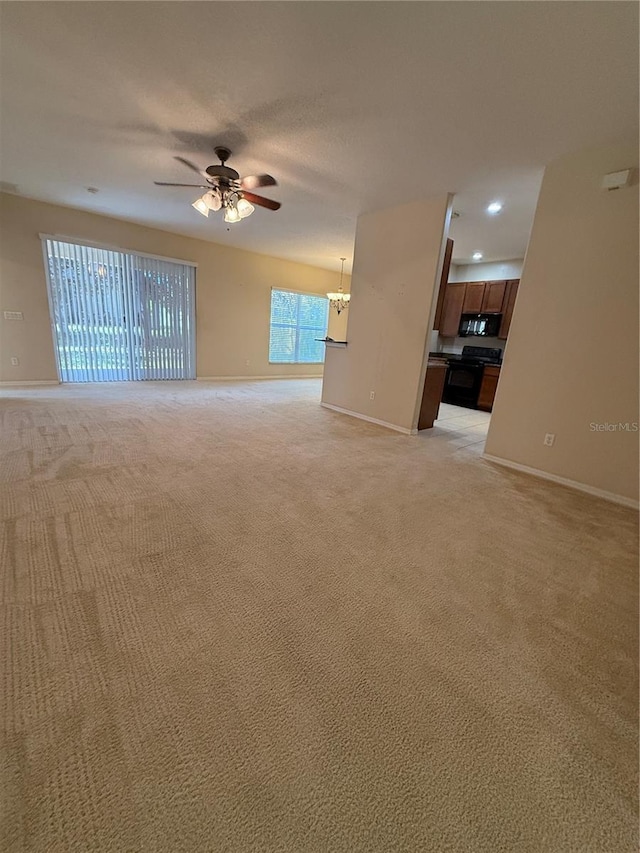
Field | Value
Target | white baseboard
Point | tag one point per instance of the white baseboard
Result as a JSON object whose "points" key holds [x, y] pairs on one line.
{"points": [[563, 481], [404, 430], [15, 383], [12, 383], [249, 378]]}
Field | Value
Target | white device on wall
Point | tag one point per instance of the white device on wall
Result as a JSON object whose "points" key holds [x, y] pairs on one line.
{"points": [[616, 180]]}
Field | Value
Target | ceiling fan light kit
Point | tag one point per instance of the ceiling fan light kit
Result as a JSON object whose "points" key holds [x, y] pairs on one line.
{"points": [[244, 208], [213, 199], [226, 190], [201, 207], [231, 214]]}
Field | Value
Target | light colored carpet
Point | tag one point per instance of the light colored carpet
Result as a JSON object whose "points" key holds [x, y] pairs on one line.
{"points": [[236, 621]]}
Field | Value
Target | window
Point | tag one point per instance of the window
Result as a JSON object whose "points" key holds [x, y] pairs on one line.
{"points": [[297, 319], [119, 315]]}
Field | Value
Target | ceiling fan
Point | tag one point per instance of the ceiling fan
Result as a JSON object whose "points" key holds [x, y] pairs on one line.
{"points": [[226, 190]]}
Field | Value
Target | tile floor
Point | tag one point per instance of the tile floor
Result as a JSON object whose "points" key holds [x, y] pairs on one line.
{"points": [[464, 429]]}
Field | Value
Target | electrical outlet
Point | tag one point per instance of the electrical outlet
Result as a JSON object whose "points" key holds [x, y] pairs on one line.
{"points": [[246, 364], [549, 438], [15, 361], [372, 395]]}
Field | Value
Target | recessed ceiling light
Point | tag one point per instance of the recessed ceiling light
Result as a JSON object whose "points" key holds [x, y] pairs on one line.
{"points": [[494, 207], [477, 256]]}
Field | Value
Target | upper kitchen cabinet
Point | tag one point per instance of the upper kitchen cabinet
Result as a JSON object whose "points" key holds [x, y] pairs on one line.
{"points": [[484, 297], [493, 298], [473, 297], [452, 310], [444, 278], [507, 309]]}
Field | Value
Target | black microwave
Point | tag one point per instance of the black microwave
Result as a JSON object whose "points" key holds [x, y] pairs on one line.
{"points": [[482, 325]]}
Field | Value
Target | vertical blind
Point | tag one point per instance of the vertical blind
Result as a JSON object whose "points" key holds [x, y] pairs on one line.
{"points": [[297, 319], [118, 315]]}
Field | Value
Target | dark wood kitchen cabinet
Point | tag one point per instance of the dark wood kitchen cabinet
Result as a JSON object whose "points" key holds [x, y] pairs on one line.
{"points": [[473, 298], [488, 388], [452, 309], [484, 297], [444, 278], [507, 308], [493, 298], [432, 393]]}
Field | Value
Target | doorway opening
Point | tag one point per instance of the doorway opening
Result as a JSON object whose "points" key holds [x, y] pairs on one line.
{"points": [[473, 313]]}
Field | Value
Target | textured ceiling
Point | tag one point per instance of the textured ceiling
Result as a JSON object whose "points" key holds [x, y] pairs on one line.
{"points": [[351, 106]]}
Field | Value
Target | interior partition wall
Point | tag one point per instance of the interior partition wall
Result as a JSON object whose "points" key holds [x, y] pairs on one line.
{"points": [[119, 316]]}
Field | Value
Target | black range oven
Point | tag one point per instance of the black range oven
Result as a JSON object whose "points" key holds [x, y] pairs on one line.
{"points": [[462, 385], [464, 375]]}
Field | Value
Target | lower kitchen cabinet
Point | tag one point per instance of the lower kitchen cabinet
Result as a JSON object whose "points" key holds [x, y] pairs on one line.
{"points": [[432, 393], [488, 388]]}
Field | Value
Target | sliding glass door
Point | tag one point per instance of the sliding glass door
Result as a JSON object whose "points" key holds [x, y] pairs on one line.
{"points": [[118, 315]]}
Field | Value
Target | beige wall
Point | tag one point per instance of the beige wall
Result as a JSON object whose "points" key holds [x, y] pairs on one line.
{"points": [[232, 291], [486, 271], [398, 256], [572, 358]]}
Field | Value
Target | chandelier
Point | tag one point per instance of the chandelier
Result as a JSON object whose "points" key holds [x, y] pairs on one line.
{"points": [[230, 200], [339, 300]]}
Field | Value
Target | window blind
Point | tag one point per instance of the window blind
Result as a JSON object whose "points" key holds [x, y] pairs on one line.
{"points": [[297, 319], [119, 316]]}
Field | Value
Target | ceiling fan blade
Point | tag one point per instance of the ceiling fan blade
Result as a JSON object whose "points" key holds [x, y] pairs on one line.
{"points": [[197, 186], [191, 166], [252, 182], [261, 200]]}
